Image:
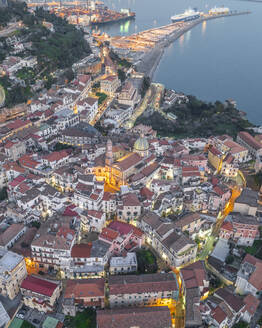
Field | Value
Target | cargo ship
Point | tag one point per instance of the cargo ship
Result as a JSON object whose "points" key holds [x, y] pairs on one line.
{"points": [[125, 14], [187, 16]]}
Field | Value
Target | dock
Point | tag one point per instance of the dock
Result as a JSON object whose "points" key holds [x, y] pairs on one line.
{"points": [[164, 35], [145, 49]]}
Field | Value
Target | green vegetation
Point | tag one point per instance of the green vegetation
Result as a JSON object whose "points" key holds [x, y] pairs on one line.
{"points": [[146, 261], [215, 283], [121, 75], [241, 324], [101, 97], [145, 86], [36, 224], [27, 324], [259, 321], [121, 62], [57, 49], [258, 179], [256, 249], [27, 74], [14, 94], [229, 259], [60, 146], [3, 194], [85, 319], [197, 119]]}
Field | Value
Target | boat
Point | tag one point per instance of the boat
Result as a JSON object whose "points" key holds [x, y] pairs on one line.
{"points": [[117, 17], [187, 16]]}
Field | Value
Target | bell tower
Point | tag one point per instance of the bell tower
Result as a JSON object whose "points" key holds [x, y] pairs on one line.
{"points": [[109, 153]]}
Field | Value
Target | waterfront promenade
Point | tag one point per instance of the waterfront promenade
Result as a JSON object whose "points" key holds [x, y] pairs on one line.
{"points": [[149, 45]]}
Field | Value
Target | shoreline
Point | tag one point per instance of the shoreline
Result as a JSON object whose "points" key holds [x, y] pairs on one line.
{"points": [[149, 68]]}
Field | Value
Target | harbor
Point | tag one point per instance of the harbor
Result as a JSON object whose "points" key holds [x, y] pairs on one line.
{"points": [[145, 49], [89, 13]]}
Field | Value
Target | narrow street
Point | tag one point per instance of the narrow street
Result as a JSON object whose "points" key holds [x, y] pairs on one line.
{"points": [[140, 109]]}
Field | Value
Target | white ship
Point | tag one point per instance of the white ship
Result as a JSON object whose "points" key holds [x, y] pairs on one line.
{"points": [[188, 15]]}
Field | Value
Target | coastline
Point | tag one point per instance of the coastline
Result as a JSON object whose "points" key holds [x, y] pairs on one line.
{"points": [[149, 68]]}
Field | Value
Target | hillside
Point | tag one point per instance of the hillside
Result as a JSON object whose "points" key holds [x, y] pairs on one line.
{"points": [[51, 40], [197, 119]]}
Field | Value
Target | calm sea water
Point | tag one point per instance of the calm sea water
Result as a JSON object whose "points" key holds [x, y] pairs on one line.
{"points": [[217, 60]]}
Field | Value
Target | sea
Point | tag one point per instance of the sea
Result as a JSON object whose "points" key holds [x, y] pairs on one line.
{"points": [[216, 60]]}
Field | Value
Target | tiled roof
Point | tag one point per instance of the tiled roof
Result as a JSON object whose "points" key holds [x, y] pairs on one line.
{"points": [[251, 141], [83, 288], [187, 219], [130, 199], [233, 301], [81, 250], [39, 286], [214, 151], [108, 234], [251, 303], [194, 275], [227, 226], [147, 317], [128, 161], [219, 315], [56, 156], [132, 284], [10, 233]]}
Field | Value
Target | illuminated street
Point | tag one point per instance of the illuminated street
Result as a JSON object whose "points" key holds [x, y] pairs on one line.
{"points": [[139, 111]]}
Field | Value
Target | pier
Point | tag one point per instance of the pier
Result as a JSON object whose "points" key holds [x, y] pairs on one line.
{"points": [[145, 49], [162, 36]]}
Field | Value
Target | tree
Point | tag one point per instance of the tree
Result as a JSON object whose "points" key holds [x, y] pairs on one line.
{"points": [[36, 224], [229, 259], [3, 194], [121, 75], [145, 85], [260, 232], [241, 324]]}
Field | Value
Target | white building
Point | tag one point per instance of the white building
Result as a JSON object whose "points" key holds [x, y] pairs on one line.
{"points": [[124, 264], [12, 273]]}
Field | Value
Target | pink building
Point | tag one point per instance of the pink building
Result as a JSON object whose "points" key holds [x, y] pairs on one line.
{"points": [[122, 236], [242, 228]]}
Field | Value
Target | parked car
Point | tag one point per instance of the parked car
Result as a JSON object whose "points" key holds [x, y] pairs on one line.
{"points": [[20, 315]]}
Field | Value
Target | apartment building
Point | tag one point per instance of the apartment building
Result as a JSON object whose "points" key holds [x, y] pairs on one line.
{"points": [[254, 147], [243, 229], [172, 245], [40, 294], [52, 246], [249, 276], [12, 273], [147, 317], [83, 293], [123, 264], [141, 290], [110, 84]]}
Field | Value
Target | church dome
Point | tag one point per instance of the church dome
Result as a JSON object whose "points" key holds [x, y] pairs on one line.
{"points": [[141, 144]]}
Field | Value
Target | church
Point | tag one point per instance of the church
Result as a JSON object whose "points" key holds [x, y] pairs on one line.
{"points": [[117, 171]]}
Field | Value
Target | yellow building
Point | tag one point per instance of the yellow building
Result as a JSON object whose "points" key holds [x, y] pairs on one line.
{"points": [[12, 273], [116, 170], [215, 158]]}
